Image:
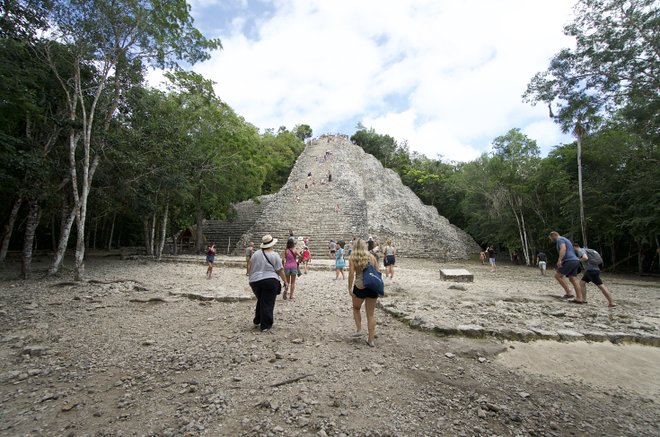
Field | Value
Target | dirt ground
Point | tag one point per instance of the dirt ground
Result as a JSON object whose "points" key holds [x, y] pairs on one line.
{"points": [[124, 353]]}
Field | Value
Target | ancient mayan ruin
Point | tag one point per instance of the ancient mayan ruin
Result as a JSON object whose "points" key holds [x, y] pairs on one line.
{"points": [[336, 191]]}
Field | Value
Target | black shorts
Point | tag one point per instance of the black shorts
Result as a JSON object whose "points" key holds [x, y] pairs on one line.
{"points": [[389, 260], [592, 276], [364, 293]]}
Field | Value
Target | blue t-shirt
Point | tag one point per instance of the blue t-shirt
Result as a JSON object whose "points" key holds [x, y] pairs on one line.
{"points": [[570, 254]]}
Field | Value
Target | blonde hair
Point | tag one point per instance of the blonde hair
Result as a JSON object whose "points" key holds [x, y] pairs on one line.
{"points": [[389, 242], [360, 256]]}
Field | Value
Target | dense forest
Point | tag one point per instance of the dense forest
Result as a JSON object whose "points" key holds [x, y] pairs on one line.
{"points": [[603, 190], [93, 157]]}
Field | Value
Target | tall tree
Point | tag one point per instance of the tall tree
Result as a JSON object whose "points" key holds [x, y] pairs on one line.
{"points": [[613, 72], [116, 37]]}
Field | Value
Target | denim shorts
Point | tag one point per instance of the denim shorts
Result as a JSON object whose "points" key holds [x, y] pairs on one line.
{"points": [[569, 268], [291, 272]]}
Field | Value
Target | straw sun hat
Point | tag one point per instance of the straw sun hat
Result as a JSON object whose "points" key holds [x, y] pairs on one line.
{"points": [[268, 241]]}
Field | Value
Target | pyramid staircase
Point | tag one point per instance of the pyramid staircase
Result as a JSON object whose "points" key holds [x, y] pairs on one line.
{"points": [[324, 211], [362, 199], [226, 234]]}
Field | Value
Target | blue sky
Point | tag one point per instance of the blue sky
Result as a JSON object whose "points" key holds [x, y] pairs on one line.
{"points": [[445, 75]]}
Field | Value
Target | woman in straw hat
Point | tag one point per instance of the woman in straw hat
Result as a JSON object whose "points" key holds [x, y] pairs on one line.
{"points": [[265, 273], [358, 261]]}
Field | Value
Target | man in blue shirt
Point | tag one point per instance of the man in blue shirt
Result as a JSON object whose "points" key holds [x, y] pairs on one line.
{"points": [[567, 266]]}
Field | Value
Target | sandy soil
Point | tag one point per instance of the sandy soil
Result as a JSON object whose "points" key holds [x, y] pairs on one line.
{"points": [[125, 354]]}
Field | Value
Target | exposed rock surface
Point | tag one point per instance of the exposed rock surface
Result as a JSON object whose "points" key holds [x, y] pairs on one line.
{"points": [[126, 355]]}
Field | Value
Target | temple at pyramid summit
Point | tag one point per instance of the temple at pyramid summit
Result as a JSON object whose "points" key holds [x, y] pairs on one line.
{"points": [[336, 191]]}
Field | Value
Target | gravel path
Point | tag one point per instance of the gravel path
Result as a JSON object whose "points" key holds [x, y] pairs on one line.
{"points": [[121, 355]]}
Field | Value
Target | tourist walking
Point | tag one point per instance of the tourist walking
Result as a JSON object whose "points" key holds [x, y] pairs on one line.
{"points": [[265, 273], [542, 262], [210, 259], [249, 251], [490, 250], [591, 273], [567, 266], [332, 247], [290, 256], [306, 257], [389, 253], [360, 258], [372, 247], [340, 262]]}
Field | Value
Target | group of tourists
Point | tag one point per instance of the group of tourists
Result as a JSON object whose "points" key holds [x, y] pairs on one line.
{"points": [[271, 274], [572, 259], [267, 271]]}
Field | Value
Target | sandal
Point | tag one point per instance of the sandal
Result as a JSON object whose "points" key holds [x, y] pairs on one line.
{"points": [[567, 296], [578, 301]]}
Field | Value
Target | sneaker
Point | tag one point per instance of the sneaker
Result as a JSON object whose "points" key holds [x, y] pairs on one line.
{"points": [[265, 331], [357, 334]]}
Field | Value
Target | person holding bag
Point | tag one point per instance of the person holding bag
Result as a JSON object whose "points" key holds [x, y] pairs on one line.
{"points": [[266, 270], [365, 285]]}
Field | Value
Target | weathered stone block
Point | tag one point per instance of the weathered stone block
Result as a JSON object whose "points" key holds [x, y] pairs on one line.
{"points": [[519, 334], [456, 275], [471, 330], [568, 335], [545, 334], [595, 336]]}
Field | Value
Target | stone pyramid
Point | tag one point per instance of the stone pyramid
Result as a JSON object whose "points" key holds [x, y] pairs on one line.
{"points": [[362, 199]]}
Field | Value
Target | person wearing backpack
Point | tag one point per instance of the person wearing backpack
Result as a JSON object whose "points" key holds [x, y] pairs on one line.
{"points": [[361, 259], [590, 260]]}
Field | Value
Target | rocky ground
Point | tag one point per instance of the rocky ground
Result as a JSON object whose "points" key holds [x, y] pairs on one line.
{"points": [[126, 353]]}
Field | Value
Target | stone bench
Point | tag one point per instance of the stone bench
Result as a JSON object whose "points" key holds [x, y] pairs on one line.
{"points": [[456, 275]]}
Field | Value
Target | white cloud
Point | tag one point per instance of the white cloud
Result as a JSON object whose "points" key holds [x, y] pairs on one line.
{"points": [[446, 76]]}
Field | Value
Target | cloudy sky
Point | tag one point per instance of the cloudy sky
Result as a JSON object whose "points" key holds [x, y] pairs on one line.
{"points": [[445, 75]]}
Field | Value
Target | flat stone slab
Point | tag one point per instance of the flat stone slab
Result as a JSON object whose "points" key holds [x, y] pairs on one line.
{"points": [[456, 275]]}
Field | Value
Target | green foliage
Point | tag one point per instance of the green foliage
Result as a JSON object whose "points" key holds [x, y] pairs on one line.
{"points": [[612, 70], [280, 152], [302, 131]]}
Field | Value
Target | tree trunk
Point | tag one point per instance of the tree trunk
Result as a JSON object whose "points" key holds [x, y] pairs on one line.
{"points": [[526, 249], [199, 237], [53, 235], [88, 176], [65, 231], [152, 240], [96, 229], [9, 228], [579, 133], [175, 245], [640, 260], [163, 232], [112, 231], [28, 241], [145, 230]]}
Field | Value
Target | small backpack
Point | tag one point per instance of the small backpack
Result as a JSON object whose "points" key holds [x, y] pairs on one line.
{"points": [[594, 257]]}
